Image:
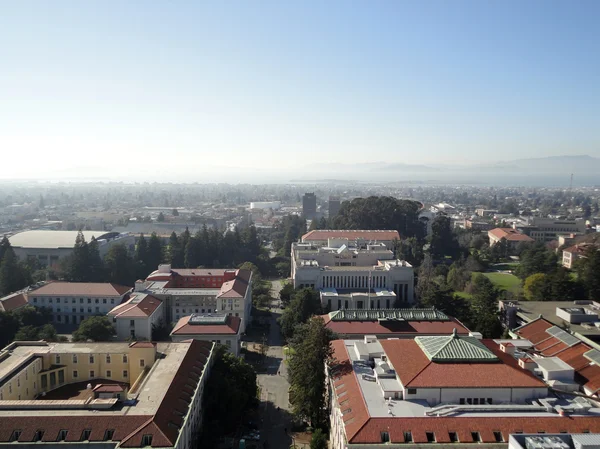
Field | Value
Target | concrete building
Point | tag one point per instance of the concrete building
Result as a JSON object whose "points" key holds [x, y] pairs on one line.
{"points": [[547, 229], [392, 323], [110, 395], [360, 272], [137, 316], [511, 236], [554, 441], [477, 225], [322, 237], [264, 205], [442, 390], [73, 302], [48, 247], [197, 291], [573, 253], [309, 206], [220, 329], [334, 206]]}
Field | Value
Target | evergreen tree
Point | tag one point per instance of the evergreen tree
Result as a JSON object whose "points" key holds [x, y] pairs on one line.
{"points": [[5, 246], [96, 266], [161, 217], [9, 325], [484, 308], [312, 350], [11, 278], [176, 252], [175, 213], [95, 328], [588, 268], [443, 241], [141, 258], [120, 267], [154, 254], [77, 265]]}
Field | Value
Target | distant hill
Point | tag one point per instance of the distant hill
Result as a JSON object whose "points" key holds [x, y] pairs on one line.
{"points": [[580, 164]]}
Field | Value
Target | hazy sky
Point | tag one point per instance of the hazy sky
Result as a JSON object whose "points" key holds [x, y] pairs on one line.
{"points": [[161, 85]]}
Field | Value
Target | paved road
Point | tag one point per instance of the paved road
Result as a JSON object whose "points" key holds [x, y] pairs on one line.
{"points": [[274, 386]]}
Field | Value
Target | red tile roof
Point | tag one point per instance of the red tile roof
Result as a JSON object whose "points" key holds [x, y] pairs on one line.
{"points": [[183, 327], [135, 307], [233, 289], [574, 356], [362, 429], [142, 344], [510, 234], [350, 235], [415, 370], [80, 289], [391, 328], [13, 301], [112, 388], [535, 331]]}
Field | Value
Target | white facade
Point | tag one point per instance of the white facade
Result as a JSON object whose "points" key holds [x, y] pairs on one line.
{"points": [[73, 309], [378, 299], [138, 328], [275, 205], [231, 342]]}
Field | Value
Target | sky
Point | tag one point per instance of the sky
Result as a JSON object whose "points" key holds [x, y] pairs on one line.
{"points": [[171, 89]]}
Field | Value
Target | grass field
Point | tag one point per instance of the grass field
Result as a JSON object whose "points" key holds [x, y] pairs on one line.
{"points": [[504, 281]]}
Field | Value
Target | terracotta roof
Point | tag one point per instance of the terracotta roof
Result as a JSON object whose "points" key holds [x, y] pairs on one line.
{"points": [[390, 328], [233, 289], [535, 331], [510, 234], [362, 429], [80, 289], [574, 356], [183, 327], [13, 301], [138, 305], [191, 272], [142, 344], [350, 235], [416, 370]]}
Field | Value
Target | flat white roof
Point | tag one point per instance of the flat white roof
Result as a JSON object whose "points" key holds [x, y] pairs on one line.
{"points": [[50, 239]]}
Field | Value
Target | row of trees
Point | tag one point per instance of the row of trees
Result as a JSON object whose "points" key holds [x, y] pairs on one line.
{"points": [[207, 248]]}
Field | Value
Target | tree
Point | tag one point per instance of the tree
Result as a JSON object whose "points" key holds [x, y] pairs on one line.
{"points": [[381, 212], [426, 274], [232, 383], [96, 266], [154, 254], [443, 241], [13, 275], [27, 333], [161, 217], [458, 276], [175, 252], [33, 316], [9, 325], [286, 292], [536, 258], [311, 351], [536, 287], [141, 257], [588, 268], [76, 266], [48, 333], [161, 331], [318, 440], [484, 308], [303, 305], [95, 328], [175, 213], [120, 268]]}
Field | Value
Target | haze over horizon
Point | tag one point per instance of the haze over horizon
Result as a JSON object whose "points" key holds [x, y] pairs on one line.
{"points": [[174, 91]]}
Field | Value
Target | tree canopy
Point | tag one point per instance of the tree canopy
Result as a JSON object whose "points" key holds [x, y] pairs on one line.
{"points": [[381, 212], [94, 328], [304, 303]]}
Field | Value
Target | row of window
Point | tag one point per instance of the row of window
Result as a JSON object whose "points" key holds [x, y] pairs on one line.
{"points": [[92, 358], [74, 300], [108, 374], [85, 436], [452, 436]]}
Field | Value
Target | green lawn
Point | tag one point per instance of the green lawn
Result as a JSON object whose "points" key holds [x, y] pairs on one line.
{"points": [[464, 295], [504, 281]]}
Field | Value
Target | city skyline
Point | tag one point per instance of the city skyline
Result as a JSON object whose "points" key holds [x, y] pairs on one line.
{"points": [[105, 89]]}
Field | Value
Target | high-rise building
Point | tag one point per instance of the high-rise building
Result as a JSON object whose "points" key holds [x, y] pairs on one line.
{"points": [[334, 206], [309, 206]]}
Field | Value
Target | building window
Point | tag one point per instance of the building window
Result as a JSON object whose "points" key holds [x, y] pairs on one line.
{"points": [[476, 437], [97, 301], [73, 301], [112, 301], [18, 382], [39, 434], [108, 435], [35, 300], [430, 437], [462, 401], [97, 309], [80, 300], [453, 437], [57, 359], [15, 435], [124, 358], [132, 322], [89, 300], [411, 391], [57, 300], [408, 437], [125, 373], [85, 435], [62, 435], [385, 437], [147, 440], [92, 373], [75, 374], [142, 363], [107, 358], [89, 310], [103, 300], [498, 436], [108, 374], [50, 300], [91, 358]]}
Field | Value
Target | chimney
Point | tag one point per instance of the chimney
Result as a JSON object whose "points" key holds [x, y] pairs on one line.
{"points": [[140, 286], [527, 363], [164, 268], [508, 348]]}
